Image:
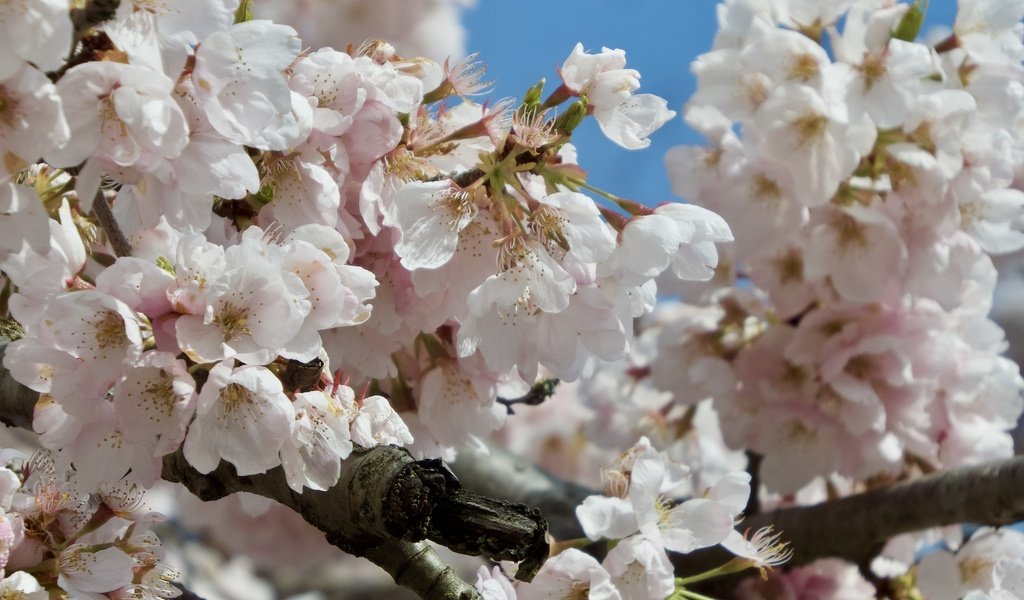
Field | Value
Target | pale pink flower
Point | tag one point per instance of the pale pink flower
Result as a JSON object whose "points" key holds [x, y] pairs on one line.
{"points": [[683, 235], [320, 438], [571, 573], [457, 405], [503, 309], [184, 21], [122, 114], [240, 84], [243, 417], [493, 585], [377, 424], [860, 250], [32, 121], [430, 217], [990, 30], [83, 570], [254, 310], [608, 86], [737, 82], [156, 401], [22, 585], [640, 569], [946, 576], [102, 333], [34, 31], [303, 193], [692, 524], [332, 80], [814, 136]]}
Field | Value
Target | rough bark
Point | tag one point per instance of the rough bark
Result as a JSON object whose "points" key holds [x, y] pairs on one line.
{"points": [[384, 496]]}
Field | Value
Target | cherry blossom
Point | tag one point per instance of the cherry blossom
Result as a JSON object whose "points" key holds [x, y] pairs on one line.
{"points": [[608, 87], [240, 85], [35, 32], [243, 417]]}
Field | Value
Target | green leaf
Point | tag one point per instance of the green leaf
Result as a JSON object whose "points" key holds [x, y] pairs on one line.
{"points": [[244, 12], [910, 24]]}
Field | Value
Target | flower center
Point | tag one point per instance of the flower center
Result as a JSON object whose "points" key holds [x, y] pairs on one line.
{"points": [[232, 320], [109, 330]]}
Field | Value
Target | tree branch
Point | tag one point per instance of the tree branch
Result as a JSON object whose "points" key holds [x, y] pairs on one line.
{"points": [[93, 13], [854, 528], [382, 508], [502, 474]]}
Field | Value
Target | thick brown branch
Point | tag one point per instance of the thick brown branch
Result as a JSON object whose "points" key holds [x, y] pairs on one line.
{"points": [[502, 474], [856, 527], [418, 567]]}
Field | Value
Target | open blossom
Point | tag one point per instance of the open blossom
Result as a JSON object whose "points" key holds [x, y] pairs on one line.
{"points": [[430, 217], [32, 121], [243, 417], [625, 118], [240, 84], [683, 235], [377, 423], [158, 397], [84, 570], [320, 439], [34, 31], [813, 135], [252, 311], [692, 524], [981, 564], [122, 114], [571, 573], [22, 585], [455, 406]]}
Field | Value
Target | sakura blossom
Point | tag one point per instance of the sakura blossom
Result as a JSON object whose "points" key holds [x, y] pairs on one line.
{"points": [[285, 247]]}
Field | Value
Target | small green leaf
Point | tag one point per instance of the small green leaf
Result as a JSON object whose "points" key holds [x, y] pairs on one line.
{"points": [[244, 12], [910, 24]]}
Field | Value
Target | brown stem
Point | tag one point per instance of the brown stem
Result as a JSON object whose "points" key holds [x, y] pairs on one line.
{"points": [[93, 13], [101, 208]]}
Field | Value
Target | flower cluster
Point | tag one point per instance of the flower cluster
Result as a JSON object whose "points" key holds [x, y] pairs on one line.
{"points": [[210, 239], [989, 565], [867, 178], [56, 536], [637, 511]]}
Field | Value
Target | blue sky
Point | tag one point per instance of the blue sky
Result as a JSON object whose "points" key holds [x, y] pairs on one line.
{"points": [[524, 40]]}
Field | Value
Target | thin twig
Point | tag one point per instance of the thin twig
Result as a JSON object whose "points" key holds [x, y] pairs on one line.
{"points": [[101, 208]]}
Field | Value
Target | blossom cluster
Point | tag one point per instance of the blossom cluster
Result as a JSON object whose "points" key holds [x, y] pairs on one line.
{"points": [[55, 535], [990, 565], [216, 242], [638, 512], [867, 177]]}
